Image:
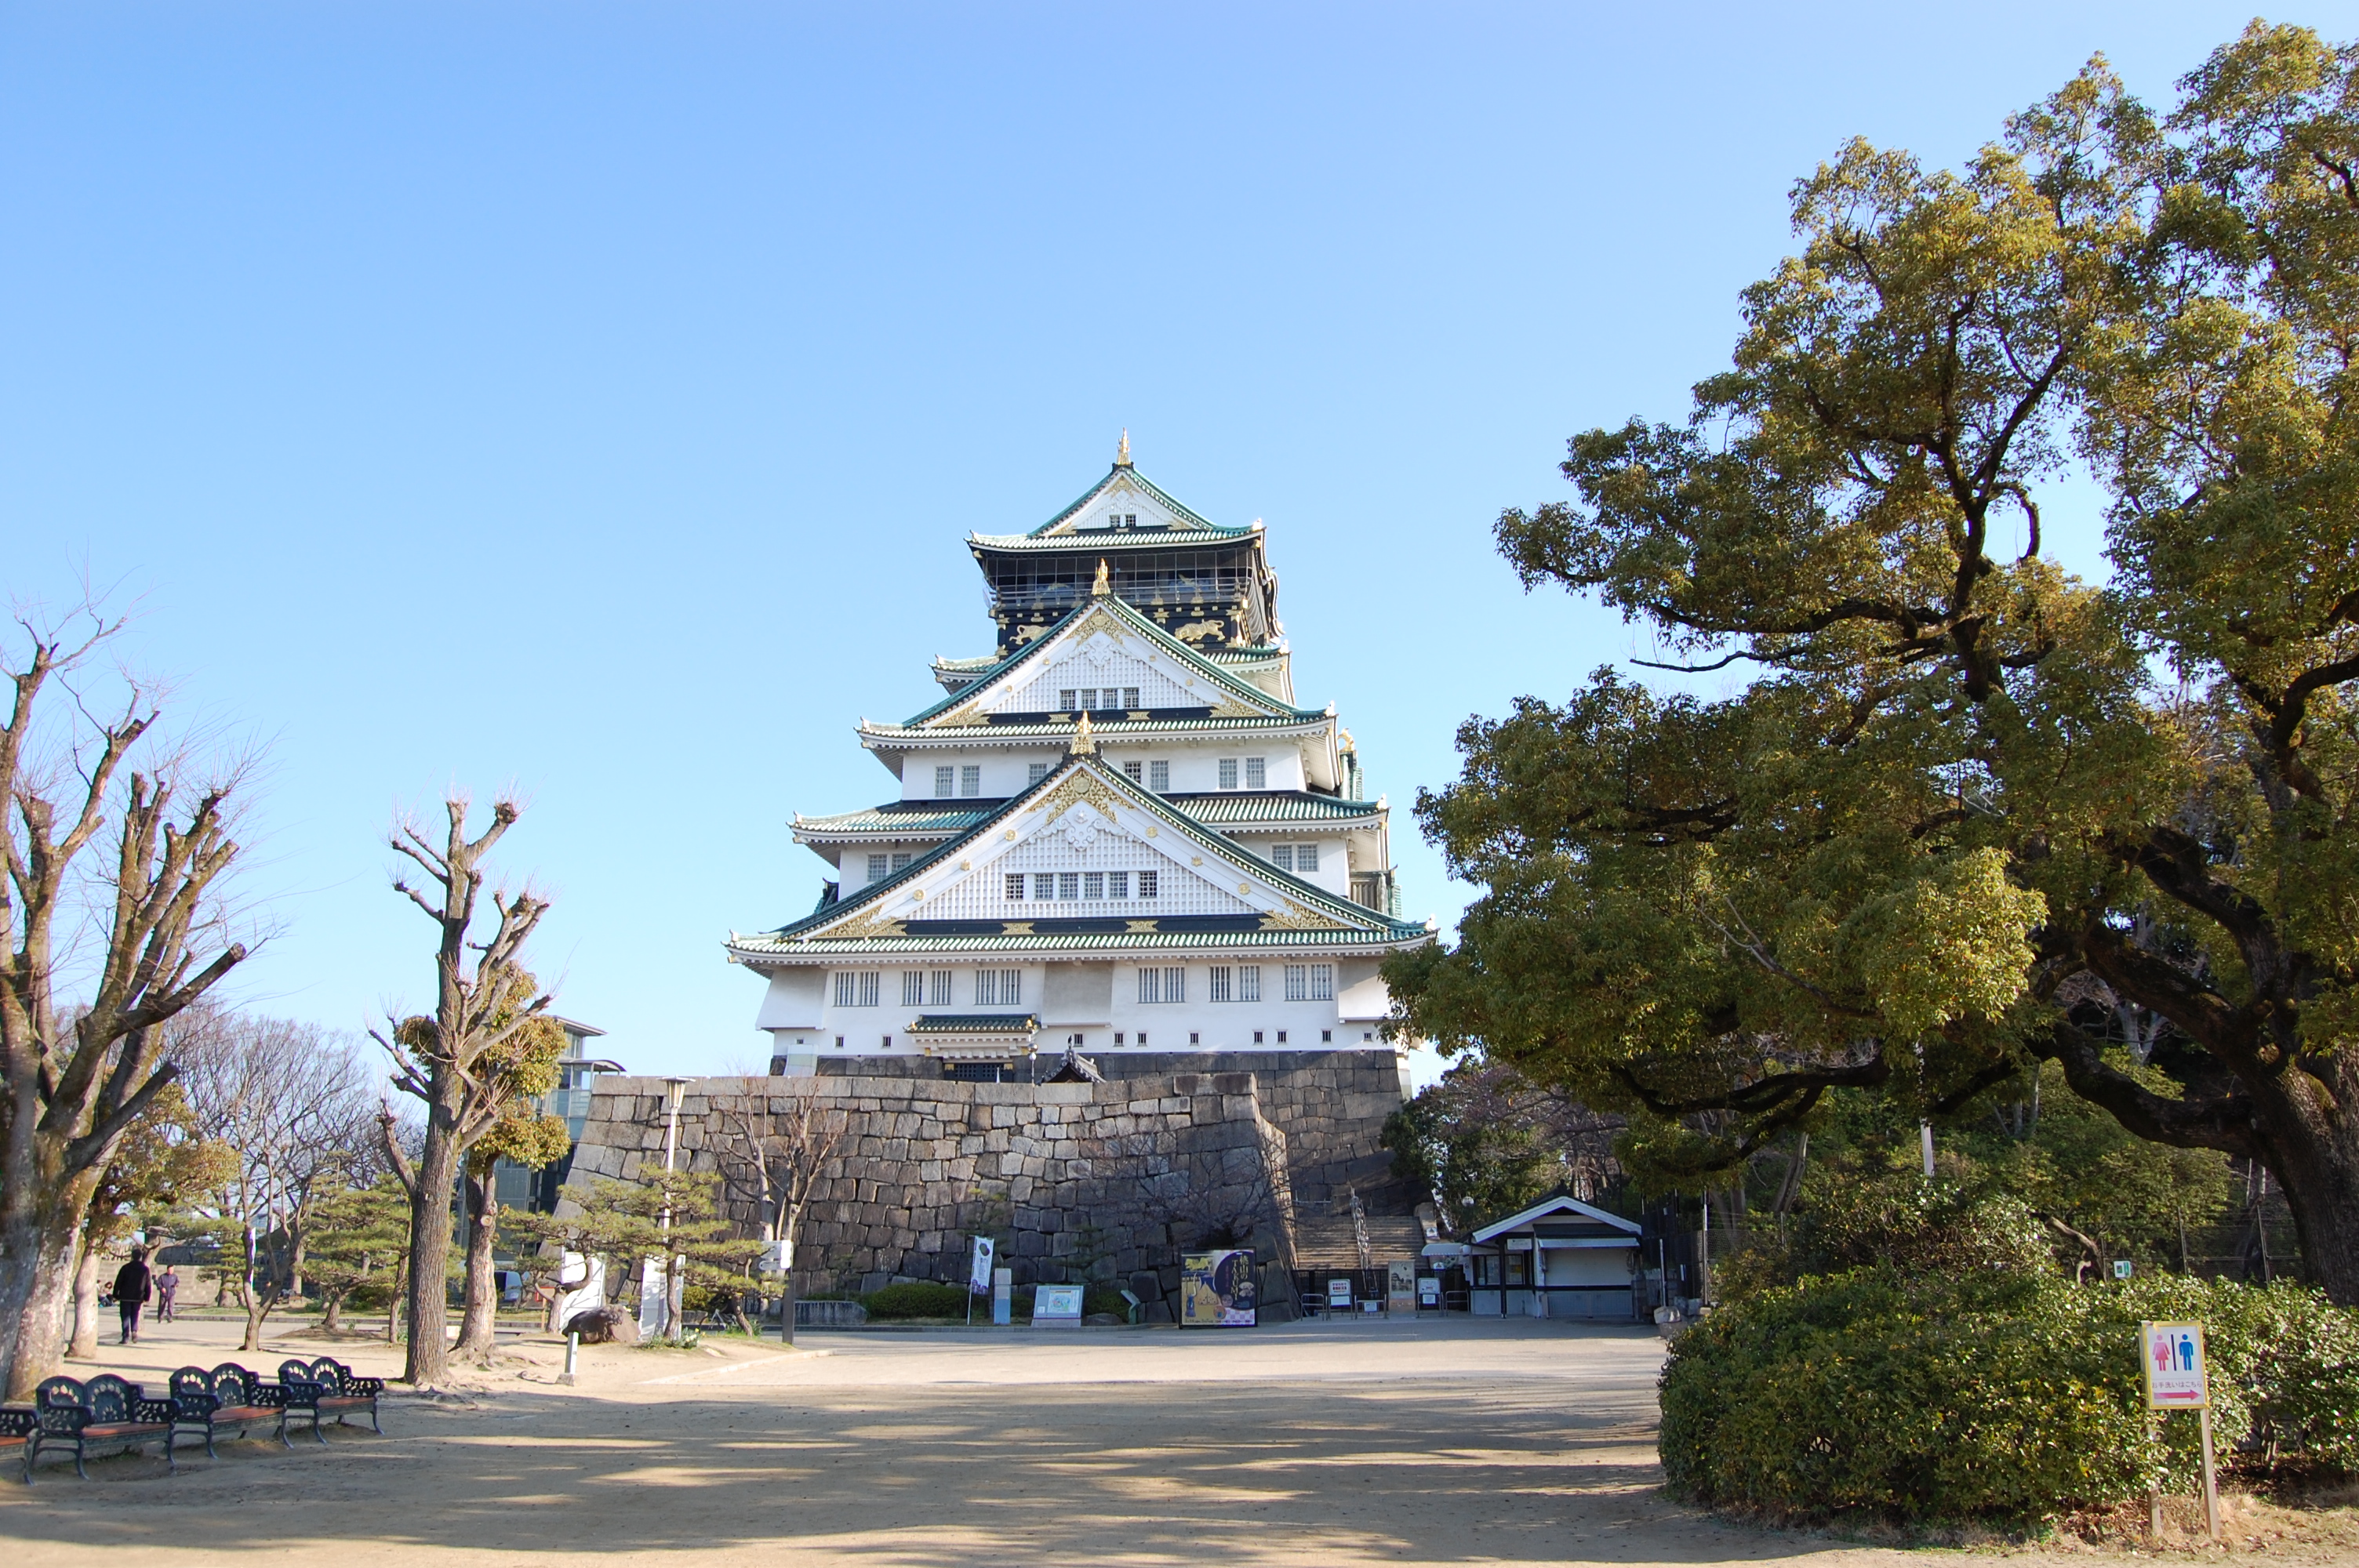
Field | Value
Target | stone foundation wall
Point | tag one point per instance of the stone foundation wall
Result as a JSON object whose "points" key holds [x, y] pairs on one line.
{"points": [[1331, 1106], [1108, 1180]]}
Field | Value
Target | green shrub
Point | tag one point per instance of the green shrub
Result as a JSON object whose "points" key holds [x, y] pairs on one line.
{"points": [[2004, 1395], [1104, 1298], [916, 1298]]}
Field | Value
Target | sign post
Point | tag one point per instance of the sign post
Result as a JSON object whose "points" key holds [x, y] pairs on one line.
{"points": [[978, 1276], [2171, 1356]]}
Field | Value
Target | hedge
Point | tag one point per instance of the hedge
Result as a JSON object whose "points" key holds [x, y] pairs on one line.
{"points": [[916, 1298], [2004, 1397]]}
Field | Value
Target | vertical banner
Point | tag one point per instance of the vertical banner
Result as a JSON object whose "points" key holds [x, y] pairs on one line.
{"points": [[1216, 1288], [978, 1278]]}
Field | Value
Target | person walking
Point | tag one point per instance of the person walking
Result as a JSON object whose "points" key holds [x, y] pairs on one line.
{"points": [[133, 1286], [167, 1285]]}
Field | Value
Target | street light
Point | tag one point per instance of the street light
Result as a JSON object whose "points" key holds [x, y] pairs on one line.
{"points": [[667, 1321]]}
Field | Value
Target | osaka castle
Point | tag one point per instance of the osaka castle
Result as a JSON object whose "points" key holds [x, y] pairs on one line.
{"points": [[1116, 837]]}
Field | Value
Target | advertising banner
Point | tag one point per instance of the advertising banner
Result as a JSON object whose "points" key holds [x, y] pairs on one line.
{"points": [[1216, 1288], [978, 1278]]}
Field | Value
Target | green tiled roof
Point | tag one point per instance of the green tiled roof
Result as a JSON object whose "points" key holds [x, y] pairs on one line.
{"points": [[771, 945], [1359, 925], [1112, 728], [1128, 613], [918, 816], [1269, 805], [1145, 483], [1109, 539], [974, 1024]]}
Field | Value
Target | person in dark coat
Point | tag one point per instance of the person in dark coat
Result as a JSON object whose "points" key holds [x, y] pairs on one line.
{"points": [[167, 1285], [133, 1286]]}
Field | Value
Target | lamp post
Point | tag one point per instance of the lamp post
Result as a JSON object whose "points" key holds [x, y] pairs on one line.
{"points": [[665, 1319]]}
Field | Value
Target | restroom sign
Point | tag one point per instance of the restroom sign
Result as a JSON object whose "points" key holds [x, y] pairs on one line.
{"points": [[2173, 1358]]}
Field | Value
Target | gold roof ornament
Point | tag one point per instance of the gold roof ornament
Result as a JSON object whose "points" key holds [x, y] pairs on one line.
{"points": [[1104, 583], [1085, 743], [1121, 452]]}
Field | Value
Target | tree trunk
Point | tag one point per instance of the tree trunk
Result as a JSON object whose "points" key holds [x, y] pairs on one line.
{"points": [[429, 1361], [259, 1299], [478, 1319], [84, 1344], [41, 1225], [332, 1312]]}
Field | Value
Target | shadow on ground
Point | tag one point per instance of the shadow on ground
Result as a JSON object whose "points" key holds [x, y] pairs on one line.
{"points": [[1433, 1471]]}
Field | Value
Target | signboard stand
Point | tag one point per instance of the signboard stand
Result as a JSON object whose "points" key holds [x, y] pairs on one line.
{"points": [[2177, 1376]]}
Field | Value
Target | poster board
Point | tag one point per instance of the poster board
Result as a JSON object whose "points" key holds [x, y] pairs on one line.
{"points": [[2172, 1356], [1339, 1295], [1400, 1287], [1216, 1288], [1057, 1307]]}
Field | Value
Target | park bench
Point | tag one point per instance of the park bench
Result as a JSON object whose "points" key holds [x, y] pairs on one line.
{"points": [[229, 1398], [17, 1424], [328, 1388], [103, 1413]]}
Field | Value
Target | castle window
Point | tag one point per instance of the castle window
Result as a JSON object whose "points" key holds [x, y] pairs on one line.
{"points": [[1065, 702], [945, 782], [1133, 771], [938, 988], [1130, 697], [1228, 774], [1142, 1037], [1322, 983], [1306, 857], [1035, 772], [1159, 777], [1282, 856], [998, 987], [1069, 884], [901, 860], [1093, 885], [913, 987], [1044, 884], [1015, 887], [1257, 772], [1146, 884], [971, 779], [1117, 884], [1163, 985], [1298, 982], [856, 987], [877, 868], [1219, 987], [1249, 986]]}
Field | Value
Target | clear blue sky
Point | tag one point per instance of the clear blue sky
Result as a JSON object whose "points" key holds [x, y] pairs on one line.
{"points": [[593, 398]]}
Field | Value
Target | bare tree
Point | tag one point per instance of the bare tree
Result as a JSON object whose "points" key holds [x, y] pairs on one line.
{"points": [[778, 1157], [481, 1003], [69, 1090], [293, 1101]]}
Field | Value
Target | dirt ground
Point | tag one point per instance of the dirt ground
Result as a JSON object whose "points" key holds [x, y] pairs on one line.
{"points": [[1312, 1443]]}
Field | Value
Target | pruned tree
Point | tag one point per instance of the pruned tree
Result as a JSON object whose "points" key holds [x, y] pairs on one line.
{"points": [[1955, 783], [777, 1157], [360, 1237], [483, 998], [672, 1214], [510, 1077], [291, 1101], [142, 930]]}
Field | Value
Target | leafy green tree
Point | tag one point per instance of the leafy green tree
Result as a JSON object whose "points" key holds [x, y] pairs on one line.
{"points": [[671, 1215], [360, 1237], [1482, 1143], [1954, 786], [512, 1075]]}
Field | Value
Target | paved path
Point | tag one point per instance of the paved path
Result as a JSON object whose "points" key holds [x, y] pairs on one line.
{"points": [[1470, 1443]]}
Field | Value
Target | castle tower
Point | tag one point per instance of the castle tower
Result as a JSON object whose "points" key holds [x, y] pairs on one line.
{"points": [[1116, 835]]}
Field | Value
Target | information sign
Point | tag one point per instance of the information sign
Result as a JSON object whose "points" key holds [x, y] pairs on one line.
{"points": [[1428, 1290], [1400, 1286], [1057, 1307], [1339, 1295], [2173, 1358], [1216, 1288]]}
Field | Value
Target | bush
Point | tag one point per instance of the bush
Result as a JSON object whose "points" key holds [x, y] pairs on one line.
{"points": [[1105, 1298], [916, 1298], [2002, 1396]]}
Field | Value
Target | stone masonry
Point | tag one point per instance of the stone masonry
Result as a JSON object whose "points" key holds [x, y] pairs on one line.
{"points": [[1106, 1181]]}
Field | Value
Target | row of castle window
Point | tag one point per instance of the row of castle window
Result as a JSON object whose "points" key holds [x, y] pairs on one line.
{"points": [[882, 866], [1156, 983], [1294, 857], [1097, 698], [951, 781], [929, 987], [1084, 886]]}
